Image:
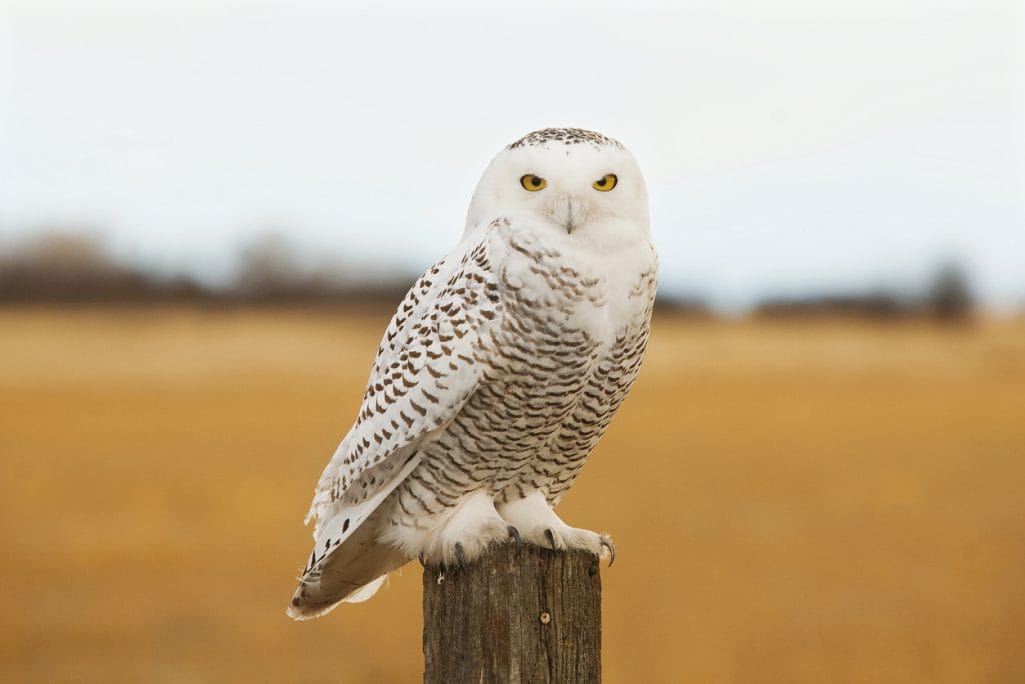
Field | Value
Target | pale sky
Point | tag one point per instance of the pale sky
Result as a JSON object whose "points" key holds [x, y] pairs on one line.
{"points": [[788, 147]]}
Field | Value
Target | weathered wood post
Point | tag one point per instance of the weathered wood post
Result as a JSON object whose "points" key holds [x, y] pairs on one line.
{"points": [[519, 614]]}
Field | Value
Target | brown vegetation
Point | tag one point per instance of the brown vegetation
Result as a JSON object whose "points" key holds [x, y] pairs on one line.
{"points": [[800, 502]]}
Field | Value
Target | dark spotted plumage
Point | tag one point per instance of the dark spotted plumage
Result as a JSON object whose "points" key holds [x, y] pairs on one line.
{"points": [[547, 395], [567, 136]]}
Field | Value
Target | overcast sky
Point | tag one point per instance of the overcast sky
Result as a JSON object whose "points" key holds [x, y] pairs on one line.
{"points": [[788, 147]]}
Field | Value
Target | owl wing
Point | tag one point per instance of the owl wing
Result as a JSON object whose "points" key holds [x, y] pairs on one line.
{"points": [[426, 368]]}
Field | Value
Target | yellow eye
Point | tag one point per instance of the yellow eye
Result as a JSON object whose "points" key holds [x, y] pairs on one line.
{"points": [[605, 183], [533, 183]]}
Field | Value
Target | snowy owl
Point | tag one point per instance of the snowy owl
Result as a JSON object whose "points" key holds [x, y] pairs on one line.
{"points": [[497, 375]]}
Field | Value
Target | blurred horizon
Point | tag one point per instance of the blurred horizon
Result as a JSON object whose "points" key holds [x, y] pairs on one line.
{"points": [[790, 149], [62, 268]]}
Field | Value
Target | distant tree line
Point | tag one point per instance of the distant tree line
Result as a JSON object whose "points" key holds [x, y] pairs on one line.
{"points": [[76, 268], [948, 298]]}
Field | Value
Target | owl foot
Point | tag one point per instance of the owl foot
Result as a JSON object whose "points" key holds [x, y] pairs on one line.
{"points": [[542, 527], [575, 538], [606, 547], [460, 537], [610, 547]]}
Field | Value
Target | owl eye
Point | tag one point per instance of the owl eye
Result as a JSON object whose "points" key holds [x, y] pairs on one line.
{"points": [[533, 183], [605, 183]]}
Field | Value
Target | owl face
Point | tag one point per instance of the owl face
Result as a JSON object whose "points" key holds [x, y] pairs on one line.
{"points": [[572, 182]]}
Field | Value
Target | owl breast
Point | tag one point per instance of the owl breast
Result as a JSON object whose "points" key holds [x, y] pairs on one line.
{"points": [[572, 334]]}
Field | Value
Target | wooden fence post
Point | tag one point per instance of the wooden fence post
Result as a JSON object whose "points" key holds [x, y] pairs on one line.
{"points": [[519, 614]]}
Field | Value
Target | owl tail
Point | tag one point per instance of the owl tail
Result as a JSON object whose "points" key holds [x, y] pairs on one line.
{"points": [[350, 572]]}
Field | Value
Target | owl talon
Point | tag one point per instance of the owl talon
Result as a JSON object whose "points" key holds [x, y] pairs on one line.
{"points": [[550, 538], [423, 561], [607, 543], [460, 555], [514, 534]]}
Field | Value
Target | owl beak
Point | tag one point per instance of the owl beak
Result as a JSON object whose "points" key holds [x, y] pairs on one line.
{"points": [[569, 212]]}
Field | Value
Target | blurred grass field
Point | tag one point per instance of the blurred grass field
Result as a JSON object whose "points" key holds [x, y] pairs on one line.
{"points": [[792, 502]]}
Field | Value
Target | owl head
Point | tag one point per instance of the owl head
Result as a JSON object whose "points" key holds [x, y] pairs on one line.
{"points": [[578, 184]]}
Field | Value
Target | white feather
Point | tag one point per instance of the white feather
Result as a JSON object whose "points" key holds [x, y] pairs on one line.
{"points": [[366, 592]]}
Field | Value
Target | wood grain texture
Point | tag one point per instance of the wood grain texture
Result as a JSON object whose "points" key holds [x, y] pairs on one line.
{"points": [[519, 614]]}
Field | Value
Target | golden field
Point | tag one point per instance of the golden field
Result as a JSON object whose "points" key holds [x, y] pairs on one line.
{"points": [[791, 502]]}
